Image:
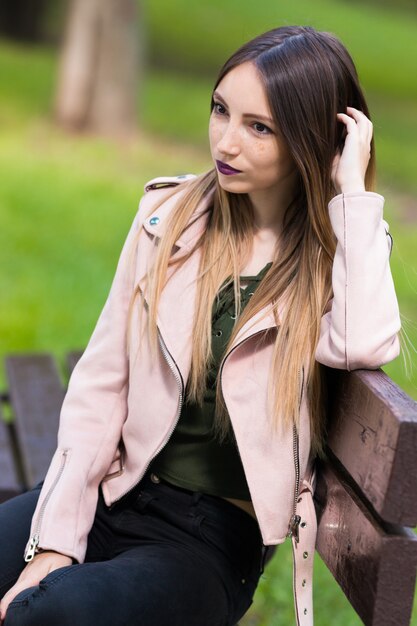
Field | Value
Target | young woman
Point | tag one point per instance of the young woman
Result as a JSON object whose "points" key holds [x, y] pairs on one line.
{"points": [[191, 423]]}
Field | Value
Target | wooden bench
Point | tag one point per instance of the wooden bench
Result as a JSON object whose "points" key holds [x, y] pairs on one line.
{"points": [[366, 493]]}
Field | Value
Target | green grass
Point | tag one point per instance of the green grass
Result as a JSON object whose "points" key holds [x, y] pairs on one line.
{"points": [[273, 602], [66, 202], [26, 83], [66, 205]]}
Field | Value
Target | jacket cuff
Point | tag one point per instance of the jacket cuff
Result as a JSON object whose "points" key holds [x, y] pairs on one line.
{"points": [[356, 194], [41, 550]]}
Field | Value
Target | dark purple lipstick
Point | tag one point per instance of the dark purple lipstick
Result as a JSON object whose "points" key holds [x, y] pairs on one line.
{"points": [[226, 169]]}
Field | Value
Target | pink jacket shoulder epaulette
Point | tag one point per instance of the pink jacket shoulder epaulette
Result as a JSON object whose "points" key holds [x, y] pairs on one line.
{"points": [[167, 181]]}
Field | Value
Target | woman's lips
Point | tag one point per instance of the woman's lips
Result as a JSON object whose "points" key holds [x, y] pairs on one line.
{"points": [[226, 169]]}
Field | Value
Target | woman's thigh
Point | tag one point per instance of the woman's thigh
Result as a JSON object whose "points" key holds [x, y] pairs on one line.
{"points": [[150, 585], [15, 520]]}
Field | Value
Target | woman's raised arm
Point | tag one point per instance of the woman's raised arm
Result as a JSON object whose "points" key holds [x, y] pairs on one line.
{"points": [[360, 328]]}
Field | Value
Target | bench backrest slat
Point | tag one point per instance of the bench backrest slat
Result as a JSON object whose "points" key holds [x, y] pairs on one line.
{"points": [[373, 432], [10, 486], [375, 568], [36, 396], [72, 359]]}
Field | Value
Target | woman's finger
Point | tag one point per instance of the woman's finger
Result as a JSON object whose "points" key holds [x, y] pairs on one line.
{"points": [[363, 122], [353, 126], [347, 119], [357, 114], [362, 129]]}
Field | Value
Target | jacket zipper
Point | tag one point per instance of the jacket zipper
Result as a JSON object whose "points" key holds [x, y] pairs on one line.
{"points": [[177, 374], [264, 548], [32, 545], [293, 526]]}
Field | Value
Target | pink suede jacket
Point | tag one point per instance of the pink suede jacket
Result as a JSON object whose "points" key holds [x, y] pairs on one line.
{"points": [[119, 411]]}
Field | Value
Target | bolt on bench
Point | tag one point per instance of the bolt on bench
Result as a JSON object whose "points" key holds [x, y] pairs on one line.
{"points": [[366, 491]]}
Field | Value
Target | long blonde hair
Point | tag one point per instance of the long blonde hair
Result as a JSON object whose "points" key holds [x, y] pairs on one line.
{"points": [[308, 77]]}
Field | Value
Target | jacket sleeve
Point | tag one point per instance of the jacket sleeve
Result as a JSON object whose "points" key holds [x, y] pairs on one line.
{"points": [[91, 420], [360, 327]]}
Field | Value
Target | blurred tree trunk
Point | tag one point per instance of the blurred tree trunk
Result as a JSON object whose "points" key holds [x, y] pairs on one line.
{"points": [[100, 62]]}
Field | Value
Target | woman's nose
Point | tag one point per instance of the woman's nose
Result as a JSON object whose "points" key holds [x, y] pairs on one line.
{"points": [[229, 141]]}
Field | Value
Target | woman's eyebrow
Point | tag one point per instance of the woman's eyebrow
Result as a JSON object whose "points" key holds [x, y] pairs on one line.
{"points": [[260, 117]]}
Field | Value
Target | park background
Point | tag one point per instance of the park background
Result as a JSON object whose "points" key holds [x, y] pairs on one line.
{"points": [[69, 188]]}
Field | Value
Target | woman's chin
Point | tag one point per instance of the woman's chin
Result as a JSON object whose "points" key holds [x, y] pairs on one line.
{"points": [[229, 183]]}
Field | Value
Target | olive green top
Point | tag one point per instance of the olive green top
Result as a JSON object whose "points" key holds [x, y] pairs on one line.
{"points": [[193, 458]]}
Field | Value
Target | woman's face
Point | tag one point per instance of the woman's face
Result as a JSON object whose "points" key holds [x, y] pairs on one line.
{"points": [[243, 135]]}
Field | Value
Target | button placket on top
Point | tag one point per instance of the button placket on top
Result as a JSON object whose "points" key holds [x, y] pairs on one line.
{"points": [[223, 311]]}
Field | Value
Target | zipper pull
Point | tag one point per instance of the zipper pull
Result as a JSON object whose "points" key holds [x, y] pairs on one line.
{"points": [[31, 549], [293, 529]]}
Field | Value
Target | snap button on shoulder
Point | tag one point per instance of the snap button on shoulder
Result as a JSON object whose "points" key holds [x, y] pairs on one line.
{"points": [[155, 478], [154, 220]]}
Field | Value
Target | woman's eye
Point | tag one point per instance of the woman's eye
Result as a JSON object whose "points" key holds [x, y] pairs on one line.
{"points": [[217, 104], [264, 129]]}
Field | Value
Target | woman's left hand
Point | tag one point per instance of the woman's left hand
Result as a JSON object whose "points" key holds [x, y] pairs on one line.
{"points": [[349, 167]]}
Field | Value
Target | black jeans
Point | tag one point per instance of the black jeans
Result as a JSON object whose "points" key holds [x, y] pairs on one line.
{"points": [[161, 556]]}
